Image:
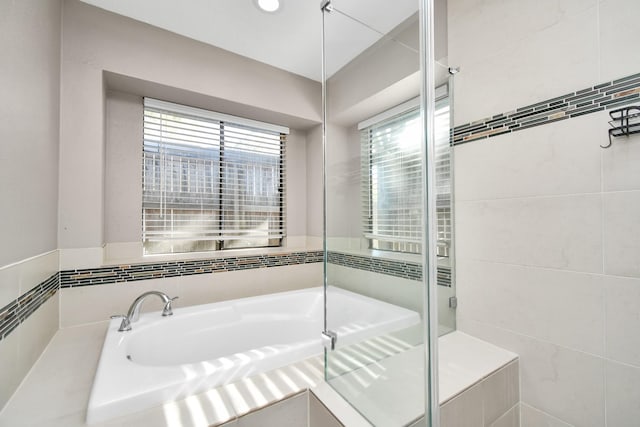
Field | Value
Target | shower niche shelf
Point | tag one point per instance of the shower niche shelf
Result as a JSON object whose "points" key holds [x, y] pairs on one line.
{"points": [[624, 122]]}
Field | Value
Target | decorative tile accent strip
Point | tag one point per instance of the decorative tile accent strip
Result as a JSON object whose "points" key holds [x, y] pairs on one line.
{"points": [[16, 312], [403, 269], [134, 272], [597, 98]]}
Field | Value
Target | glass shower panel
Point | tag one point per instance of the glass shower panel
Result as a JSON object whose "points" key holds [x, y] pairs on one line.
{"points": [[373, 208]]}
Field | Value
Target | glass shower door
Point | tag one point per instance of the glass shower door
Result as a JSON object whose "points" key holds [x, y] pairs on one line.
{"points": [[374, 186]]}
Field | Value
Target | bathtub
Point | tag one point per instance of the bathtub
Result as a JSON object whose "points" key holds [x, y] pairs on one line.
{"points": [[200, 347]]}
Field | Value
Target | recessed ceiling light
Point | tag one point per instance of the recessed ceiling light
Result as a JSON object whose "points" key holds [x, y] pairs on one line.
{"points": [[269, 5]]}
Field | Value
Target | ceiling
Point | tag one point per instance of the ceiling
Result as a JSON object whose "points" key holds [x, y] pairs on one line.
{"points": [[289, 39]]}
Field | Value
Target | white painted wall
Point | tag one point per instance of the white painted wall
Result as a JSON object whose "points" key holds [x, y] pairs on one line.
{"points": [[547, 222], [95, 41], [29, 127]]}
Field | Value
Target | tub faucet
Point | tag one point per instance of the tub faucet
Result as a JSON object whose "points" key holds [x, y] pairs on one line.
{"points": [[134, 311]]}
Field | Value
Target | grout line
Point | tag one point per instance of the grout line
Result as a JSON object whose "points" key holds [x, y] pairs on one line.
{"points": [[546, 413], [545, 341], [515, 405], [546, 268], [550, 196]]}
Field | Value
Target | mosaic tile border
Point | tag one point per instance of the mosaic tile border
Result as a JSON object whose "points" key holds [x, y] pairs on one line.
{"points": [[607, 95], [20, 309], [17, 311], [135, 272], [403, 269]]}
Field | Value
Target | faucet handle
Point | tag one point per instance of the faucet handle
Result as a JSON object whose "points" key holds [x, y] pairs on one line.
{"points": [[168, 311], [126, 323]]}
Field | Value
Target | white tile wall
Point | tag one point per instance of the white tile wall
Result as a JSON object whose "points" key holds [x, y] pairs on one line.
{"points": [[548, 222], [622, 233], [562, 307], [623, 395], [554, 232], [9, 284], [511, 45], [532, 417], [622, 320], [559, 158], [9, 378], [510, 419], [22, 347], [560, 381], [86, 304], [395, 290], [618, 33], [20, 277], [620, 169], [36, 332]]}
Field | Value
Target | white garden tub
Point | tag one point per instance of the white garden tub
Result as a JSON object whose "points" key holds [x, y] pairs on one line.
{"points": [[167, 358]]}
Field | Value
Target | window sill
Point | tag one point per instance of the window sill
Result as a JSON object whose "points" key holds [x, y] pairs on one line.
{"points": [[132, 252], [354, 246]]}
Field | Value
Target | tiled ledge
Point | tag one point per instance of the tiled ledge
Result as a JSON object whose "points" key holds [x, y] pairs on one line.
{"points": [[74, 353]]}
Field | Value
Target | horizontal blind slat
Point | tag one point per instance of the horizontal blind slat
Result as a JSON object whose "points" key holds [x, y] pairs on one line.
{"points": [[206, 179]]}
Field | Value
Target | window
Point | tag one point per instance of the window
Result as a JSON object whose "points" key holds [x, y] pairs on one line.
{"points": [[392, 179], [210, 181]]}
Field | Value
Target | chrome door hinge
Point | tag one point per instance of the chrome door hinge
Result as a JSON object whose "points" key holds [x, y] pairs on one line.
{"points": [[453, 302], [329, 339]]}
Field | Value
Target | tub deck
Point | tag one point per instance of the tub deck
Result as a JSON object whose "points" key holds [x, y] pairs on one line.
{"points": [[61, 380]]}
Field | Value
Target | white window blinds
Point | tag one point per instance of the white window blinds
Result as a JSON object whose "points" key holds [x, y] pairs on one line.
{"points": [[392, 179], [210, 181]]}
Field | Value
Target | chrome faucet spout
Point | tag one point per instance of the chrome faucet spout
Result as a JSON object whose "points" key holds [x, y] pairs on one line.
{"points": [[134, 311]]}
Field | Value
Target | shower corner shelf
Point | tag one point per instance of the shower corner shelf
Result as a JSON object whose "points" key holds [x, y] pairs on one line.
{"points": [[624, 122]]}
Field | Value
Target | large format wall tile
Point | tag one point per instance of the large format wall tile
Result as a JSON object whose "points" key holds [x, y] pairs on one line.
{"points": [[623, 395], [564, 383], [9, 284], [475, 25], [560, 158], [291, 412], [510, 419], [87, 304], [555, 232], [529, 71], [464, 410], [619, 34], [94, 303], [622, 233], [36, 332], [9, 378], [622, 319], [552, 305], [620, 162], [501, 392], [206, 288], [531, 417]]}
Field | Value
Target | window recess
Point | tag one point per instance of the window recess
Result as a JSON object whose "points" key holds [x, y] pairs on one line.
{"points": [[211, 181], [391, 171]]}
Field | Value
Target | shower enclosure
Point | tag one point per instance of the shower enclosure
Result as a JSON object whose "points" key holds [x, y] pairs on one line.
{"points": [[387, 203]]}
